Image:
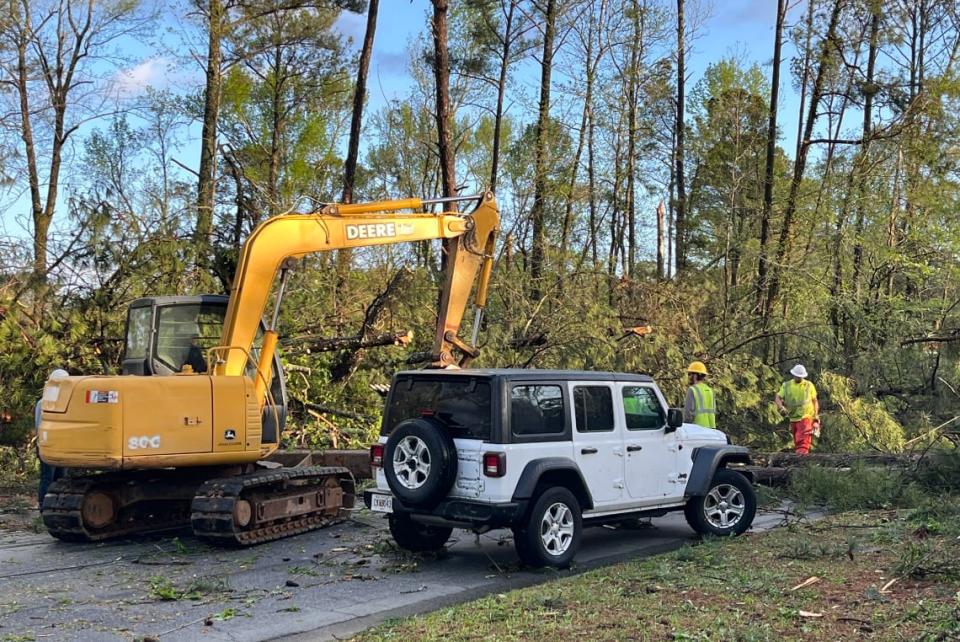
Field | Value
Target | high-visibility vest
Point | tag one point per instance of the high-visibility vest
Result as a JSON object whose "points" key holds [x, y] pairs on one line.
{"points": [[798, 398], [704, 410]]}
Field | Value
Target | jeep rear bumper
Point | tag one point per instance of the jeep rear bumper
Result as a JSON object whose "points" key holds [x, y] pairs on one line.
{"points": [[459, 513]]}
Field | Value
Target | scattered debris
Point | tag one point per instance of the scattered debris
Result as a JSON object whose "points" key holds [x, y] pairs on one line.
{"points": [[807, 582]]}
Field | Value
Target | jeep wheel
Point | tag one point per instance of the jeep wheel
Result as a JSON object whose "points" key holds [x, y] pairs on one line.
{"points": [[728, 507], [419, 538], [552, 533], [420, 462]]}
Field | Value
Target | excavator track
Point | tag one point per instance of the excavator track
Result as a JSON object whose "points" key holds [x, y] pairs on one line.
{"points": [[266, 505], [98, 507]]}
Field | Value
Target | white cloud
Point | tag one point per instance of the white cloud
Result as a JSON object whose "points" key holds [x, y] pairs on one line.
{"points": [[130, 82]]}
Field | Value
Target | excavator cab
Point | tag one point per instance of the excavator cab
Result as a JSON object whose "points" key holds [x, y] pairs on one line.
{"points": [[166, 333]]}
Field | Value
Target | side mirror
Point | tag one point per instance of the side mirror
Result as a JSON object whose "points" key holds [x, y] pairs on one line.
{"points": [[674, 419]]}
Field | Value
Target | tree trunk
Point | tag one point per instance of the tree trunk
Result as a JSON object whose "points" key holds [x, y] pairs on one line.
{"points": [[208, 138], [501, 93], [632, 97], [444, 114], [799, 166], [353, 146], [537, 213], [865, 150], [276, 132], [661, 245], [771, 155], [680, 225], [41, 226]]}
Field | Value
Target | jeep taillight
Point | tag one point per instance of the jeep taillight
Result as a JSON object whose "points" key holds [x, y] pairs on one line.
{"points": [[376, 455], [495, 464]]}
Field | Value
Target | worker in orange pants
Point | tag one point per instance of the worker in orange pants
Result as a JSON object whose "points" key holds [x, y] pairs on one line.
{"points": [[797, 400]]}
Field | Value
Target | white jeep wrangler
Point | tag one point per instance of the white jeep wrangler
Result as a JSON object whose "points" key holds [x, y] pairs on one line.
{"points": [[545, 453]]}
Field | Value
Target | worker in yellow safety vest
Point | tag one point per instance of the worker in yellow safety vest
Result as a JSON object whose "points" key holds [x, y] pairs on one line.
{"points": [[699, 406], [797, 401]]}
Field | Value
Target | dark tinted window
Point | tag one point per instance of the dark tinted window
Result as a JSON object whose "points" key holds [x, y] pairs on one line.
{"points": [[462, 404], [642, 409], [536, 410], [185, 332], [593, 408]]}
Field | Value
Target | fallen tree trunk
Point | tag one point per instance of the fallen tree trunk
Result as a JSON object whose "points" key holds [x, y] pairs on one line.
{"points": [[315, 343], [835, 460], [774, 469]]}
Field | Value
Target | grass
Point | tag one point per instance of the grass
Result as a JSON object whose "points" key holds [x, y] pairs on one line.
{"points": [[885, 566], [736, 589], [165, 590]]}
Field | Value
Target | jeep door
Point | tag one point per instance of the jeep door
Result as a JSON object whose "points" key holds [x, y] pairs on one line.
{"points": [[650, 451], [598, 441]]}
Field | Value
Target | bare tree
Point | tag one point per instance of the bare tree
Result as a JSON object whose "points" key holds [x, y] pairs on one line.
{"points": [[356, 124], [827, 51], [52, 66], [444, 112], [771, 153], [215, 14], [537, 213], [680, 220]]}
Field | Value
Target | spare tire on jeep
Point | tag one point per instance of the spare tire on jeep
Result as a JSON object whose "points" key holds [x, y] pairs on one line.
{"points": [[420, 461]]}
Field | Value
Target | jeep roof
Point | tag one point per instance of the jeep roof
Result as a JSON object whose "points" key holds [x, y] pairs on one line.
{"points": [[529, 374]]}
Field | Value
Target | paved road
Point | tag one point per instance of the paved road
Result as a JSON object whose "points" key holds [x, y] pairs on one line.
{"points": [[328, 583]]}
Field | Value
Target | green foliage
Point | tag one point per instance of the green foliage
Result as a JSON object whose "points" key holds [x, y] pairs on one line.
{"points": [[869, 293], [858, 488], [857, 422], [941, 473]]}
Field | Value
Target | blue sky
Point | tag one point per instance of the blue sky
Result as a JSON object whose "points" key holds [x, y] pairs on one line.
{"points": [[740, 28]]}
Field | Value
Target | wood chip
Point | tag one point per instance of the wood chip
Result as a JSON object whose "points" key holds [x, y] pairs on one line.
{"points": [[807, 582], [886, 587], [810, 614]]}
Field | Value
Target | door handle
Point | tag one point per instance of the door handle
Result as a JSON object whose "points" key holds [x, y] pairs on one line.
{"points": [[633, 449], [588, 451]]}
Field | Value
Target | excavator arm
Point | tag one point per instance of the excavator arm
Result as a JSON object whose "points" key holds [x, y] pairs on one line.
{"points": [[291, 236]]}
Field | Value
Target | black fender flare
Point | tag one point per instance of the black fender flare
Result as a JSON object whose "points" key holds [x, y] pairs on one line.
{"points": [[534, 471], [706, 461]]}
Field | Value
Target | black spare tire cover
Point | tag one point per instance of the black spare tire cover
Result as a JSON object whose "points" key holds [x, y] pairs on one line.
{"points": [[420, 461]]}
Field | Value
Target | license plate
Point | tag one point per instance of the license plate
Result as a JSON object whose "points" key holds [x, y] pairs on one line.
{"points": [[381, 503]]}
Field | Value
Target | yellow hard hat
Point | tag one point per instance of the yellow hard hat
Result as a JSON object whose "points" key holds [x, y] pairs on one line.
{"points": [[697, 367]]}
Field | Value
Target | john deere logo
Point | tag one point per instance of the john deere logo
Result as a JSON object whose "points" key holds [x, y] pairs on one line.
{"points": [[229, 435], [371, 231]]}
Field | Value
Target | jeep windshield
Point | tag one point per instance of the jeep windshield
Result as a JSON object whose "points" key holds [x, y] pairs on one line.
{"points": [[461, 403]]}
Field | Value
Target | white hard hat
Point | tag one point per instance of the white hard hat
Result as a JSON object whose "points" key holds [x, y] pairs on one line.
{"points": [[799, 371], [58, 374]]}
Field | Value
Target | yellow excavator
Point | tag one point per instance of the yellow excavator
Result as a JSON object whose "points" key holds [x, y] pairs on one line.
{"points": [[200, 446]]}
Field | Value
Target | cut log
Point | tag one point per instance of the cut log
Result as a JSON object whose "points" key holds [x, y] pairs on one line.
{"points": [[835, 460], [315, 343]]}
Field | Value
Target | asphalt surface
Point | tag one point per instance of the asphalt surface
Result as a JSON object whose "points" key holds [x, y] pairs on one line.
{"points": [[320, 585]]}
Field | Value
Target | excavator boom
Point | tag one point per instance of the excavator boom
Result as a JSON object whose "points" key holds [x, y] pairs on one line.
{"points": [[350, 226]]}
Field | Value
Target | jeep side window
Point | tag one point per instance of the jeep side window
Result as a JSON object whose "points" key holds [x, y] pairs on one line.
{"points": [[536, 410], [593, 408], [642, 409]]}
